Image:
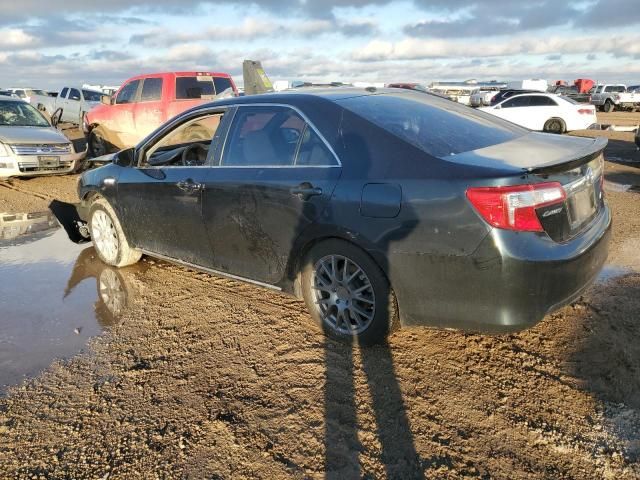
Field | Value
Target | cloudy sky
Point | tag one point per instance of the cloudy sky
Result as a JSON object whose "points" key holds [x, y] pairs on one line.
{"points": [[54, 42]]}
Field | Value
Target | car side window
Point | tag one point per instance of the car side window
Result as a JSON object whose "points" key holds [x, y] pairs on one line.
{"points": [[128, 93], [522, 101], [74, 94], [190, 144], [151, 90], [540, 101], [63, 93], [263, 136], [313, 151], [222, 84]]}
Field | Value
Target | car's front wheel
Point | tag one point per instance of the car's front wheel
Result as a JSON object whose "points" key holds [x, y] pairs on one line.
{"points": [[108, 237], [98, 146], [347, 293]]}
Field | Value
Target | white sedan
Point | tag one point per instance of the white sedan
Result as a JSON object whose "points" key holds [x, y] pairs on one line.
{"points": [[545, 112]]}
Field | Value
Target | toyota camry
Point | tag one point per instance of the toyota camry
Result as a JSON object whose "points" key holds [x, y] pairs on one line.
{"points": [[380, 208]]}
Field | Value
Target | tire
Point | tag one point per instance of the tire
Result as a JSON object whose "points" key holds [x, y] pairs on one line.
{"points": [[554, 125], [609, 106], [109, 240], [331, 301], [97, 145]]}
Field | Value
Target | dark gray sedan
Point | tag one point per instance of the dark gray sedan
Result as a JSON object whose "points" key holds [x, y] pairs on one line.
{"points": [[380, 208]]}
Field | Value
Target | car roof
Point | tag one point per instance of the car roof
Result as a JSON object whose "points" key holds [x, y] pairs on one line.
{"points": [[296, 95]]}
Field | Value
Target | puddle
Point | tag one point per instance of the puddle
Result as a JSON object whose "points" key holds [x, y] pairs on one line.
{"points": [[54, 295], [610, 272]]}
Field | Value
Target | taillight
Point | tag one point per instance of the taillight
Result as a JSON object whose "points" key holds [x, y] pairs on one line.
{"points": [[586, 111], [514, 207]]}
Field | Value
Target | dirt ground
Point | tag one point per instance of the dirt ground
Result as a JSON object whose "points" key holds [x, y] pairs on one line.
{"points": [[206, 377]]}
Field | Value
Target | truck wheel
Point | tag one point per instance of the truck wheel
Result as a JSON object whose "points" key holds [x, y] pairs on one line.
{"points": [[347, 294], [608, 106], [108, 237], [98, 146], [554, 125]]}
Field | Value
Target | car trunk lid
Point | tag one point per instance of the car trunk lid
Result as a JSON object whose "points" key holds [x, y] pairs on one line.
{"points": [[575, 163]]}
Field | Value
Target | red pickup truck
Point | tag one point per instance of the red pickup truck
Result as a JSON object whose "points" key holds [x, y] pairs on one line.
{"points": [[145, 102]]}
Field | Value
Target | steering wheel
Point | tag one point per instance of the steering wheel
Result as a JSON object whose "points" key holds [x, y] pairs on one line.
{"points": [[195, 155]]}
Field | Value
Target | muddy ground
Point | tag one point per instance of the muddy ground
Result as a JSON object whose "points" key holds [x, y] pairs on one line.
{"points": [[204, 377]]}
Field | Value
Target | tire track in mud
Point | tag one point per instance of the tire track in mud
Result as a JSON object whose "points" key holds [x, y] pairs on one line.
{"points": [[9, 185]]}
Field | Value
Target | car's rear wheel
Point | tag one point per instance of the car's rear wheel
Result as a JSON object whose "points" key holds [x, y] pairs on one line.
{"points": [[554, 125], [98, 146], [108, 238], [608, 106], [347, 294]]}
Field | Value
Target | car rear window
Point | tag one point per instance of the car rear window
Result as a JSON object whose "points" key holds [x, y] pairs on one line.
{"points": [[196, 87], [222, 84], [438, 126]]}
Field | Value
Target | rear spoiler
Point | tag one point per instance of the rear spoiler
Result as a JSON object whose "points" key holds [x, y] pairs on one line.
{"points": [[584, 156]]}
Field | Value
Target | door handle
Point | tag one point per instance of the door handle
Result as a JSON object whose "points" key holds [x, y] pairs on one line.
{"points": [[189, 186], [305, 190]]}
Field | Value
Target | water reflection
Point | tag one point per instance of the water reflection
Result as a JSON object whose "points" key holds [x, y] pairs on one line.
{"points": [[55, 295]]}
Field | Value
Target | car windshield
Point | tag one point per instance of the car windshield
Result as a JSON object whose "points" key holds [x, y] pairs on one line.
{"points": [[20, 114], [437, 126], [91, 95], [36, 92]]}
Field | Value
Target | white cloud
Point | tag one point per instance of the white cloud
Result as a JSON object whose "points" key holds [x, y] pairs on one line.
{"points": [[15, 38], [415, 49]]}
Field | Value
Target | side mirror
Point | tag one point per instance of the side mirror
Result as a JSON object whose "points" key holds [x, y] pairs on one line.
{"points": [[105, 99], [498, 107], [125, 158]]}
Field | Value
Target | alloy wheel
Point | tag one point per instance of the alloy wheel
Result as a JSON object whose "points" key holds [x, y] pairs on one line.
{"points": [[104, 235], [112, 292], [343, 295]]}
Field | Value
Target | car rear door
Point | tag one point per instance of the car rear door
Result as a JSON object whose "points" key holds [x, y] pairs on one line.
{"points": [[541, 109], [148, 111], [161, 206], [275, 177]]}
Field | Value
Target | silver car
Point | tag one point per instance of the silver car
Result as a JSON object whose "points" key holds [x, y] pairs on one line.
{"points": [[29, 145]]}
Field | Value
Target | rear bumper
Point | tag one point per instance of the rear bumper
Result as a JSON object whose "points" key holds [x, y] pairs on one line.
{"points": [[510, 283]]}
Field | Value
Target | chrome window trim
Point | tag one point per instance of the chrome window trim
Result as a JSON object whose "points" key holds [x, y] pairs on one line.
{"points": [[223, 109], [307, 121]]}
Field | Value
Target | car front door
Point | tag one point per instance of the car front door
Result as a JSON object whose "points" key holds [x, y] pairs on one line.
{"points": [[71, 111], [121, 123], [274, 179], [160, 200]]}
